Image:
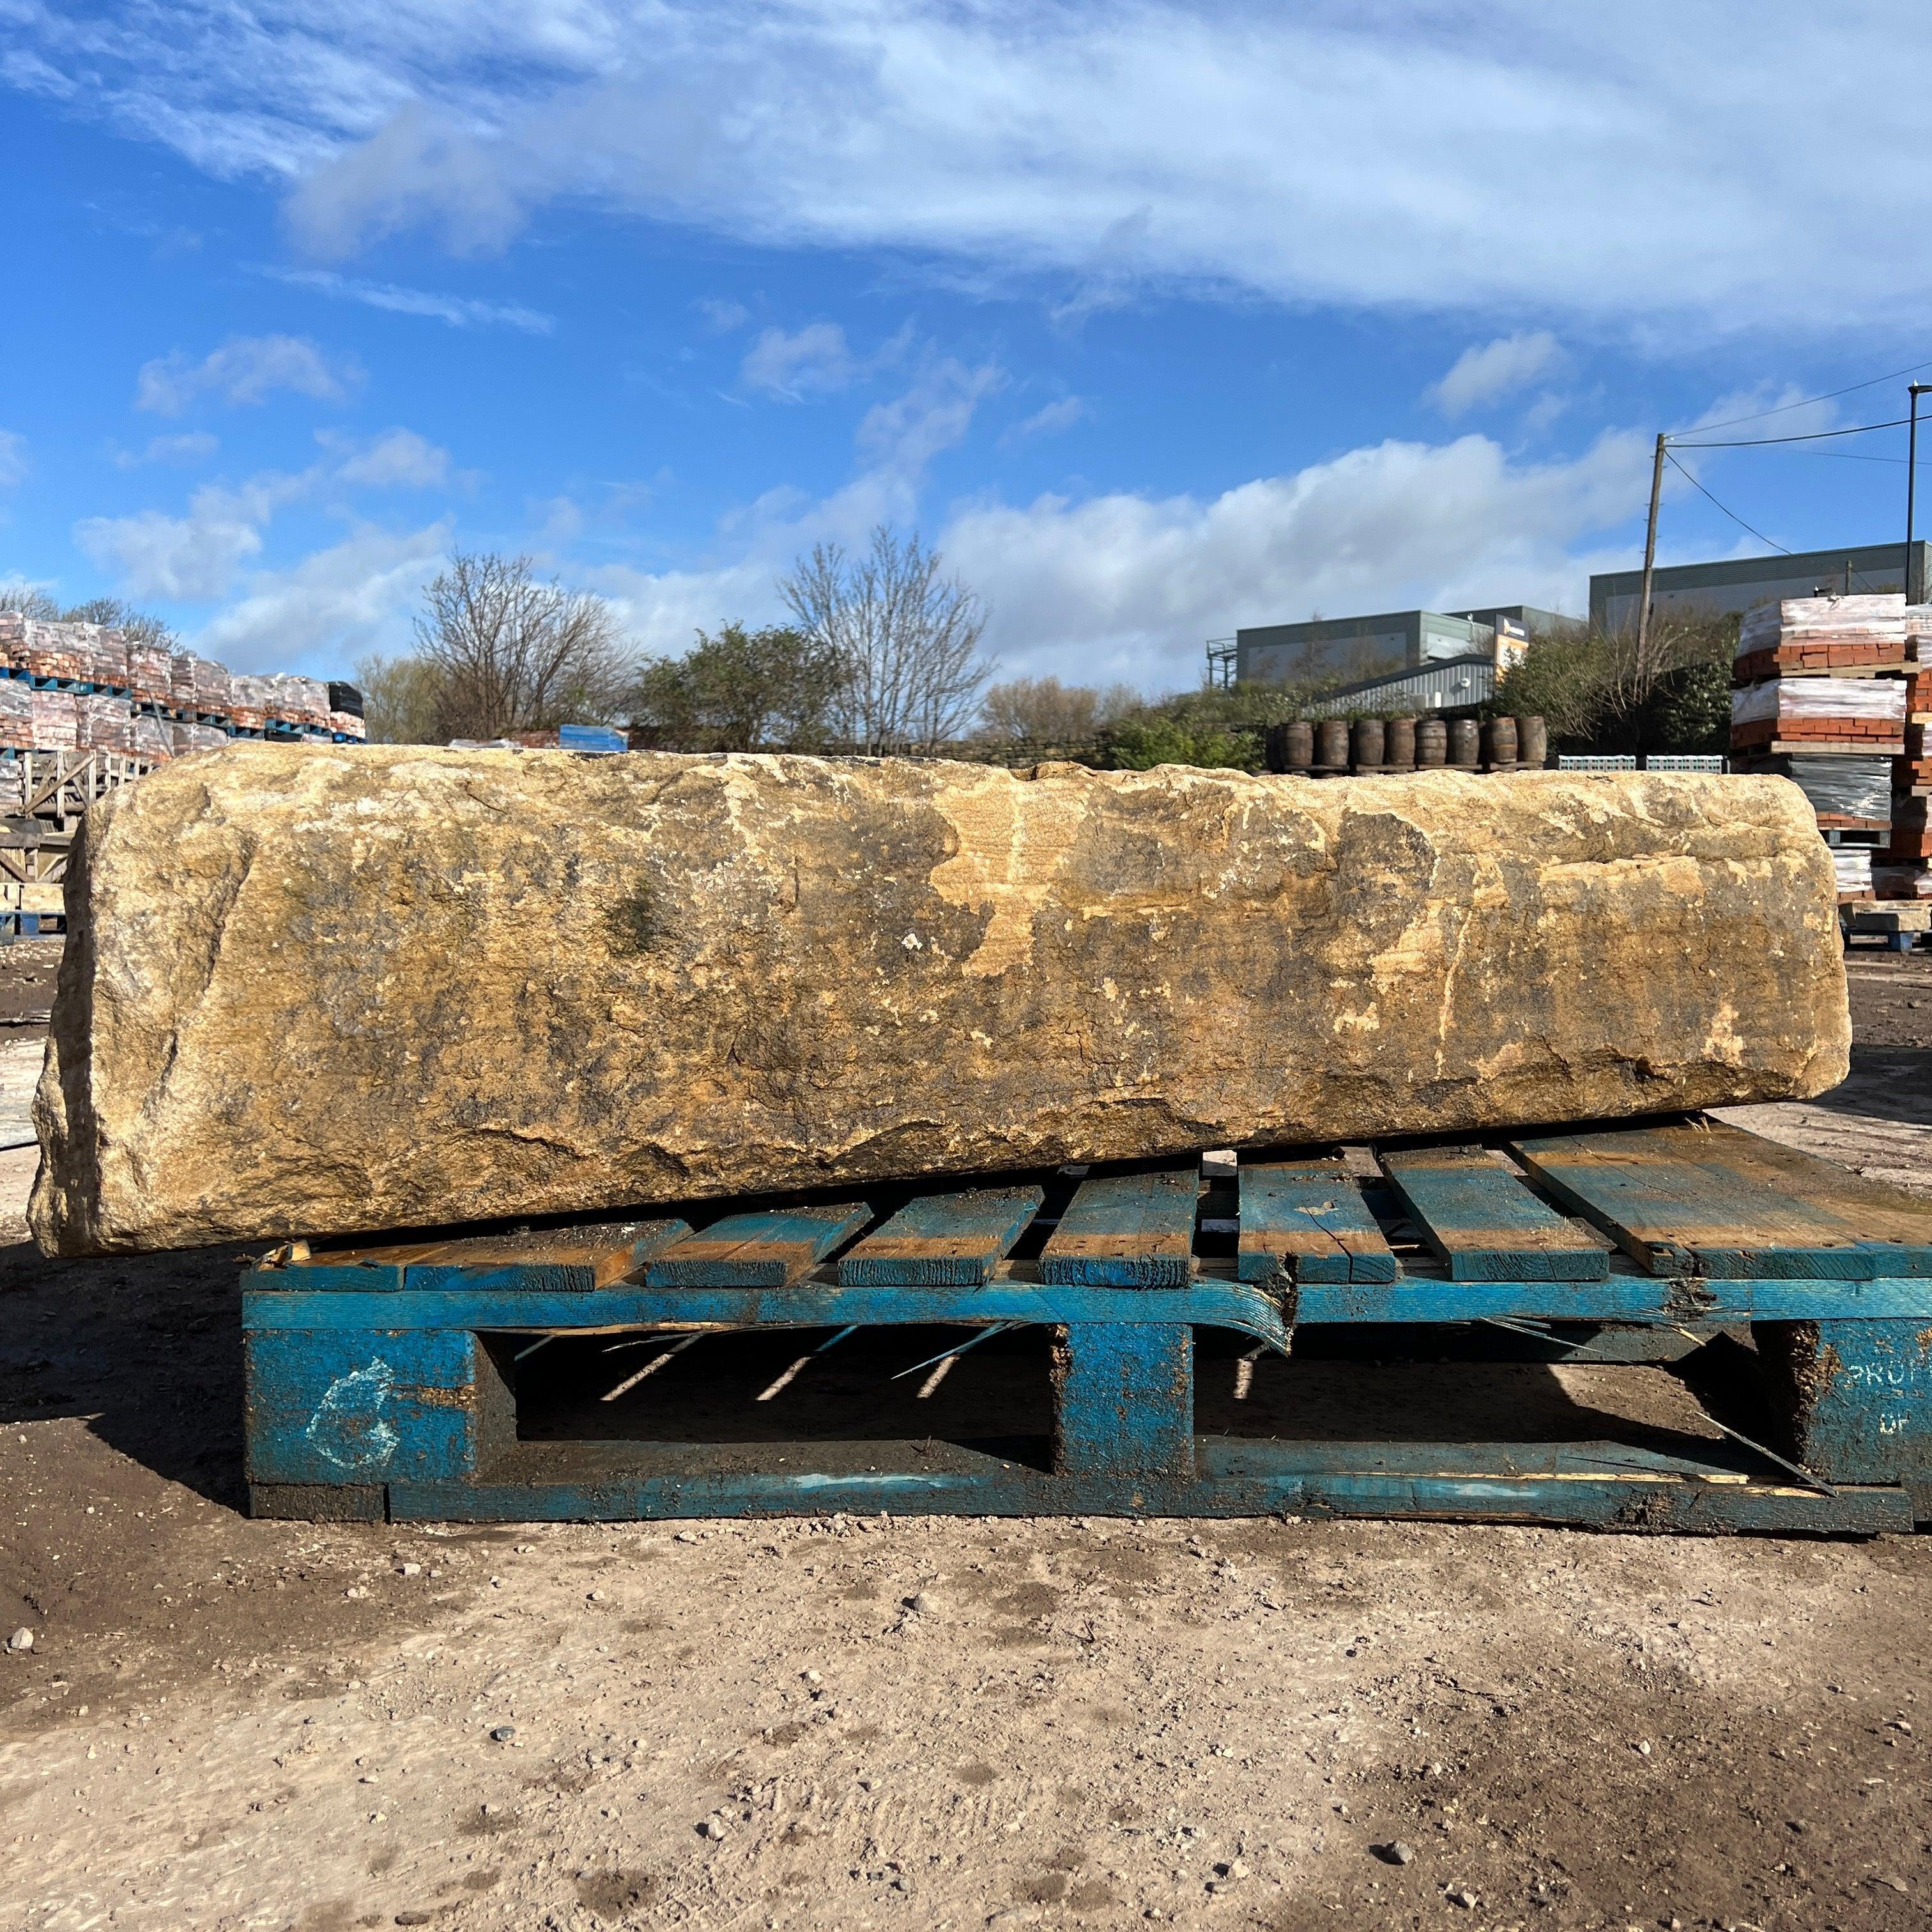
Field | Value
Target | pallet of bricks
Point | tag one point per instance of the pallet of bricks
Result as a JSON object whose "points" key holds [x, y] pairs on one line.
{"points": [[86, 687], [1824, 690], [1906, 871]]}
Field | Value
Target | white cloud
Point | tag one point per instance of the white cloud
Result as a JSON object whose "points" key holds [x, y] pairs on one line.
{"points": [[195, 557], [459, 311], [722, 313], [1050, 421], [897, 440], [1482, 375], [13, 458], [333, 606], [244, 369], [811, 360], [194, 446], [1129, 585], [153, 555], [1615, 164], [903, 436], [400, 460], [1126, 585]]}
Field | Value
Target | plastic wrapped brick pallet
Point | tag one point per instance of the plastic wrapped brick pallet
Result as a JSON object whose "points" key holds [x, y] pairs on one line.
{"points": [[16, 713], [108, 659], [1901, 882], [56, 720], [104, 723], [149, 674]]}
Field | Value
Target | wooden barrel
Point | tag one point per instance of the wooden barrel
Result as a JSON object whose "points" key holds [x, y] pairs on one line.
{"points": [[1275, 749], [1331, 745], [1366, 735], [1499, 742], [1532, 743], [1464, 742], [1398, 744], [1432, 744], [1298, 736]]}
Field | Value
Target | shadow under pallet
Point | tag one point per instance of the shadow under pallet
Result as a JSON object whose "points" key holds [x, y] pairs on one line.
{"points": [[1676, 1326]]}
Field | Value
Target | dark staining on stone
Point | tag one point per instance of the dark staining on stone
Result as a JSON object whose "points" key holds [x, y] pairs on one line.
{"points": [[634, 925]]}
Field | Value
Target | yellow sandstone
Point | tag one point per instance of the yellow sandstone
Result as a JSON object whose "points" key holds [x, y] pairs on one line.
{"points": [[310, 991]]}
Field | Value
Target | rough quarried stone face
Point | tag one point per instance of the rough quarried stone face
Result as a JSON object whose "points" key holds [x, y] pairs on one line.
{"points": [[310, 991]]}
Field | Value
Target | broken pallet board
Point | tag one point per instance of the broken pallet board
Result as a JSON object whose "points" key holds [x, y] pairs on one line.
{"points": [[1310, 1219]]}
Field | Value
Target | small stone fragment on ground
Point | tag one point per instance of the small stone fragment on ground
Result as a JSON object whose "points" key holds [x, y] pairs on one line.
{"points": [[22, 1638]]}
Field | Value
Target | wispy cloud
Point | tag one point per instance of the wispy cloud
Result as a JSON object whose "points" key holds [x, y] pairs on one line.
{"points": [[193, 445], [1052, 420], [722, 313], [1485, 374], [244, 369], [13, 458], [458, 311], [1213, 148], [813, 360], [194, 556]]}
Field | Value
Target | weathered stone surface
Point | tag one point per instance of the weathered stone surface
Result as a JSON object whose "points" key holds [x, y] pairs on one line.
{"points": [[311, 990]]}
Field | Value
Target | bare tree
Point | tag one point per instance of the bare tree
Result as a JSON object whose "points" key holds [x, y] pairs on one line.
{"points": [[29, 599], [515, 654], [139, 627], [1043, 711], [907, 640]]}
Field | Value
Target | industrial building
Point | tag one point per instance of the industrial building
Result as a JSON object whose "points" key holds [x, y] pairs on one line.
{"points": [[1387, 643], [1739, 583], [1429, 660], [1443, 684]]}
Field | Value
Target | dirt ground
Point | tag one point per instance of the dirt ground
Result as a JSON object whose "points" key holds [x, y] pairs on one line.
{"points": [[843, 1724]]}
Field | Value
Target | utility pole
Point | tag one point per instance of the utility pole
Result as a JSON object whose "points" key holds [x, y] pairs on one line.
{"points": [[1915, 572], [1650, 560]]}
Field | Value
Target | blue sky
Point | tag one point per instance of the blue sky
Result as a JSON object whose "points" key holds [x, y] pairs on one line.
{"points": [[1157, 320]]}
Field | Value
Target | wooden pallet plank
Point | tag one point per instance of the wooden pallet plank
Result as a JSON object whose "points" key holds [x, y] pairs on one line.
{"points": [[1484, 1225], [1894, 1223], [377, 1269], [1606, 1485], [1309, 1217], [942, 1239], [771, 1249], [1675, 1204], [561, 1261], [1127, 1231]]}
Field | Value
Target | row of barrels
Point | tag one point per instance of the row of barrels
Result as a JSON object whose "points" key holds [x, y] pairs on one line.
{"points": [[1337, 745]]}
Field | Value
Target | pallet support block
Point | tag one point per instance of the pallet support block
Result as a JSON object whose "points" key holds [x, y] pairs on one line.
{"points": [[1123, 1400], [371, 1406], [1857, 1399]]}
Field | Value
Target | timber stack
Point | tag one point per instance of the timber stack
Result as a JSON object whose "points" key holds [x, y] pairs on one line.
{"points": [[315, 991], [1824, 691]]}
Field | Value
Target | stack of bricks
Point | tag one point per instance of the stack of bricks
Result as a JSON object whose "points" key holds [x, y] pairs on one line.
{"points": [[1905, 870], [1822, 696], [85, 687]]}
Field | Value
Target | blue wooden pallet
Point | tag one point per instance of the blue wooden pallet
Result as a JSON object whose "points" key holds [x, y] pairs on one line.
{"points": [[383, 1375]]}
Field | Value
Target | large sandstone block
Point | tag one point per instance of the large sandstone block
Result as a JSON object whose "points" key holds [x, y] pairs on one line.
{"points": [[324, 990]]}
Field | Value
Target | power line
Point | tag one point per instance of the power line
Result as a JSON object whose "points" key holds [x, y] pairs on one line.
{"points": [[1731, 513], [1814, 436], [1784, 409]]}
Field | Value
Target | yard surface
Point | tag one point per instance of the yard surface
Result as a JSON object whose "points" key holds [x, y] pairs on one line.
{"points": [[843, 1723]]}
